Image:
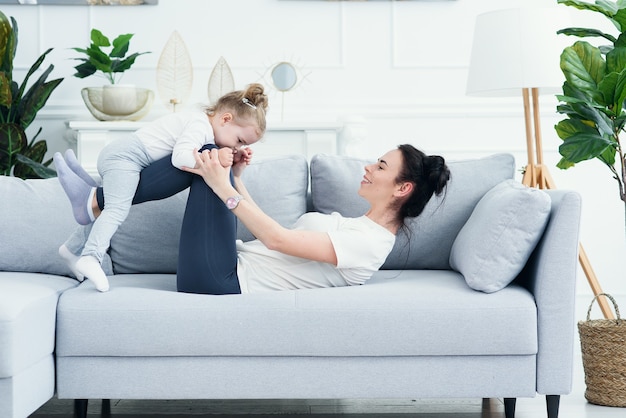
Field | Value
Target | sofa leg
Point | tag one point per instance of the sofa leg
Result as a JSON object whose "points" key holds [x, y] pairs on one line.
{"points": [[552, 403], [80, 408], [105, 411], [509, 407]]}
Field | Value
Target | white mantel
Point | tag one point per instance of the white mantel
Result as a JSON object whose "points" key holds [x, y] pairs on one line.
{"points": [[90, 136]]}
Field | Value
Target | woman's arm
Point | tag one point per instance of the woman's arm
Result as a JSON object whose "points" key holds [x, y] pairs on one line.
{"points": [[241, 161], [311, 245], [241, 188]]}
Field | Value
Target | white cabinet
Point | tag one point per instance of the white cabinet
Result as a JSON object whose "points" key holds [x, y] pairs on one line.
{"points": [[280, 139], [91, 136]]}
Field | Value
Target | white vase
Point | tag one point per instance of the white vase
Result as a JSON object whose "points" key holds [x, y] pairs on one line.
{"points": [[119, 99], [94, 100]]}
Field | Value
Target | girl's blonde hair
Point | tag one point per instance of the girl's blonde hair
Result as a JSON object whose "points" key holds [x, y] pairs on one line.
{"points": [[248, 104]]}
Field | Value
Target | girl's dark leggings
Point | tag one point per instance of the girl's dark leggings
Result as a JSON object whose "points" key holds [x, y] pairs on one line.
{"points": [[207, 256]]}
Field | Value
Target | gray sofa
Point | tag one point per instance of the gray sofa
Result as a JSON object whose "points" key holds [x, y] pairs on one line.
{"points": [[427, 325]]}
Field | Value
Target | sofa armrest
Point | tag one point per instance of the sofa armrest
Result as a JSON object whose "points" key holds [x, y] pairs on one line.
{"points": [[550, 275]]}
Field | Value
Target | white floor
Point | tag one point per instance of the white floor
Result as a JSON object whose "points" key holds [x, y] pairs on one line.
{"points": [[573, 405]]}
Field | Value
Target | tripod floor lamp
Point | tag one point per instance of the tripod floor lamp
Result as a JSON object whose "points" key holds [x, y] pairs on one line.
{"points": [[517, 51]]}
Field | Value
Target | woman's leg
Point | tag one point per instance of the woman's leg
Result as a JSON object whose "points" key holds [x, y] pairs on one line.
{"points": [[158, 181], [207, 255]]}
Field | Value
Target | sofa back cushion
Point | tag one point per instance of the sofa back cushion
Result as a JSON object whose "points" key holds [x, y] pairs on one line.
{"points": [[147, 242], [279, 186], [428, 239], [35, 219]]}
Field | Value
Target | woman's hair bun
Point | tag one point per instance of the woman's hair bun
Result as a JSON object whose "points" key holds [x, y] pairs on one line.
{"points": [[438, 172]]}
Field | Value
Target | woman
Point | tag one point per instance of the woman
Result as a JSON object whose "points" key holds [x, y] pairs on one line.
{"points": [[319, 251]]}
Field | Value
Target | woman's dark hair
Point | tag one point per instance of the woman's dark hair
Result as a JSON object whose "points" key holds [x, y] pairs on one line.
{"points": [[429, 175]]}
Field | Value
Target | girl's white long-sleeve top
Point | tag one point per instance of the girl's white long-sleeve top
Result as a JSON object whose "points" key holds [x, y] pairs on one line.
{"points": [[179, 134]]}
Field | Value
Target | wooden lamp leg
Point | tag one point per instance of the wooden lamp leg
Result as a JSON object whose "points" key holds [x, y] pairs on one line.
{"points": [[593, 282], [530, 173], [537, 175]]}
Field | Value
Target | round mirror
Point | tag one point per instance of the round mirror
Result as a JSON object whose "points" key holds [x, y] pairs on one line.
{"points": [[284, 76]]}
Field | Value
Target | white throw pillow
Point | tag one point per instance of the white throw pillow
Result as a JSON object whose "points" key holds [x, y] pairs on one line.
{"points": [[494, 244]]}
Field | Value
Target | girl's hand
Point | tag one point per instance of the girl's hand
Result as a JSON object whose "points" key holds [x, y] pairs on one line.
{"points": [[243, 157], [226, 156]]}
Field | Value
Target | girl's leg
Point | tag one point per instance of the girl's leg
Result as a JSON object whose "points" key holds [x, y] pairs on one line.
{"points": [[119, 187], [207, 256], [76, 242], [119, 165]]}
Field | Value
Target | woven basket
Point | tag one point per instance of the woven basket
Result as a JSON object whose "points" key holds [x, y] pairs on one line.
{"points": [[603, 344]]}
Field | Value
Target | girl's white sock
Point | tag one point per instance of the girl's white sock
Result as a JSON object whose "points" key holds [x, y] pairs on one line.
{"points": [[71, 259], [90, 267]]}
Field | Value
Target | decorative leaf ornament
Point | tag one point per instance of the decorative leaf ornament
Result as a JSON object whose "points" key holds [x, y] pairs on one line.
{"points": [[221, 81], [174, 72]]}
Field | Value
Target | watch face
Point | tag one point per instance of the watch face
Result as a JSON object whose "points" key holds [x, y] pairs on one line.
{"points": [[232, 202]]}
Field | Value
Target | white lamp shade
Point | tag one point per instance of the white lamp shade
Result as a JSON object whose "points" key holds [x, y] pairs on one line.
{"points": [[515, 49]]}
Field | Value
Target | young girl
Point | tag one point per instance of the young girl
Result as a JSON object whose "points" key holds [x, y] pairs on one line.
{"points": [[235, 121]]}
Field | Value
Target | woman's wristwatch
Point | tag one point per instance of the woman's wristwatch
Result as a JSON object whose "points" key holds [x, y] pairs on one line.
{"points": [[233, 202]]}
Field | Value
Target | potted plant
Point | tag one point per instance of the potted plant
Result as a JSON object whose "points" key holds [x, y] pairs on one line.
{"points": [[593, 99], [593, 94], [18, 108], [111, 60]]}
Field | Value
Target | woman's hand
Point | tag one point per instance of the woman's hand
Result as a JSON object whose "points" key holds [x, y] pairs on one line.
{"points": [[242, 158], [209, 167]]}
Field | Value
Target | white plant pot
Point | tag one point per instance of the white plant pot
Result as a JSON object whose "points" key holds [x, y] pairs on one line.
{"points": [[128, 106], [119, 99]]}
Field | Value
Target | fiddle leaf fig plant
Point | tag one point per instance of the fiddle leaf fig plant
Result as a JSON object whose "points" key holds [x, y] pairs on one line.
{"points": [[594, 92], [18, 108], [110, 63]]}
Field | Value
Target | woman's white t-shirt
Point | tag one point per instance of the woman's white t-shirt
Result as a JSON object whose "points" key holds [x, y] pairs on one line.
{"points": [[361, 246], [178, 134]]}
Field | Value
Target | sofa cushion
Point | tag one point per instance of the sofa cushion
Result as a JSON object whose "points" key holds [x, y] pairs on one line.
{"points": [[432, 312], [503, 230], [28, 303], [147, 241], [427, 240], [277, 184], [27, 208]]}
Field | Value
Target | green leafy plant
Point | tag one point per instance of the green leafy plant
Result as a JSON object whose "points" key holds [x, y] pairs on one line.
{"points": [[18, 108], [112, 63], [594, 92]]}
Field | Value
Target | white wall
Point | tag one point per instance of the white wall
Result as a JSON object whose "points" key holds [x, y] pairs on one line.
{"points": [[402, 66]]}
